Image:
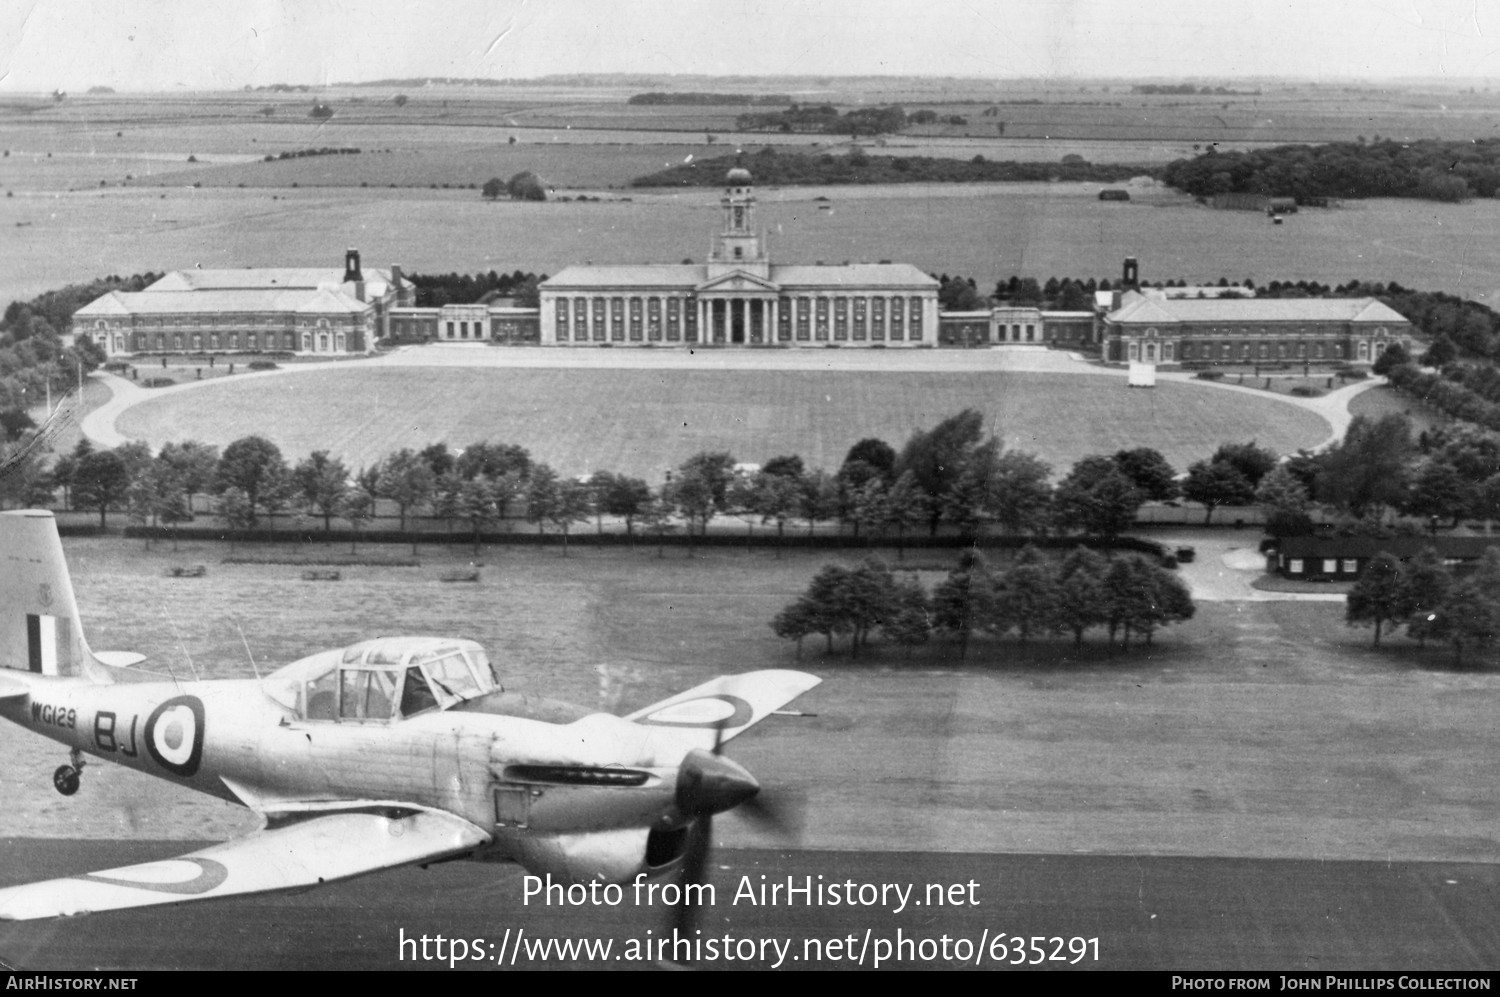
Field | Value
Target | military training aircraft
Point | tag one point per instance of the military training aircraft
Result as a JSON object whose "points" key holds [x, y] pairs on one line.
{"points": [[392, 751]]}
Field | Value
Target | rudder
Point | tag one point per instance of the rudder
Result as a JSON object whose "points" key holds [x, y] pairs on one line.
{"points": [[40, 631]]}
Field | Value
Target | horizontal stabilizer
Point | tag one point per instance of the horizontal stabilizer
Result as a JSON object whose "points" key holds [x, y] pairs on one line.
{"points": [[304, 854], [12, 688], [724, 707]]}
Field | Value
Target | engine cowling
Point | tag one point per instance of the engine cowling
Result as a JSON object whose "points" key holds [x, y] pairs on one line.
{"points": [[617, 856]]}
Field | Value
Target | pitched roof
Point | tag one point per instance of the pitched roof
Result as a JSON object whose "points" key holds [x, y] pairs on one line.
{"points": [[1230, 310], [1447, 546], [108, 304], [265, 278], [666, 275], [852, 275], [686, 276], [231, 302]]}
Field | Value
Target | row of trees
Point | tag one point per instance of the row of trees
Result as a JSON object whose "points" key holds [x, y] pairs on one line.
{"points": [[954, 475], [436, 290], [824, 119], [1031, 598], [858, 167], [1424, 596]]}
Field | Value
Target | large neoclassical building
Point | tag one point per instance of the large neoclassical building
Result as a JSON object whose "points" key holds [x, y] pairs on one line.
{"points": [[739, 297]]}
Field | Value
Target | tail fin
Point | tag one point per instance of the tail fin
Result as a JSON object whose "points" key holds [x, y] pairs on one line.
{"points": [[39, 626]]}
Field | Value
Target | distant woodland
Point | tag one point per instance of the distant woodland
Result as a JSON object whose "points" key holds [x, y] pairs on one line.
{"points": [[1433, 170]]}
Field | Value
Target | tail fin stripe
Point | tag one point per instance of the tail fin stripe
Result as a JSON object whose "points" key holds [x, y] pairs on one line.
{"points": [[41, 643]]}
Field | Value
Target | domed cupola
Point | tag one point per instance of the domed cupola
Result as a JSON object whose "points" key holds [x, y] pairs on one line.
{"points": [[739, 246]]}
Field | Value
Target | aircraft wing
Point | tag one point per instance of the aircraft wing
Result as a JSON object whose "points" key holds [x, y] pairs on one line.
{"points": [[302, 854], [729, 703]]}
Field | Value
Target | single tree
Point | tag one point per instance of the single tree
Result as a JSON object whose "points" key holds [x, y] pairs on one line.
{"points": [[253, 465], [322, 481], [1149, 471], [961, 602], [1215, 483], [1377, 596], [101, 482]]}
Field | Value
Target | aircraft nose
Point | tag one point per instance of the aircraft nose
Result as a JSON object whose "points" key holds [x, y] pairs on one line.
{"points": [[712, 784]]}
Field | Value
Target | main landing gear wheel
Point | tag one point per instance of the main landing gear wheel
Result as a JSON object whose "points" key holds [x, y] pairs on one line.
{"points": [[65, 780]]}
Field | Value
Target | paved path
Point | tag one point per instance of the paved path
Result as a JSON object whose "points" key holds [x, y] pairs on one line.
{"points": [[1226, 564]]}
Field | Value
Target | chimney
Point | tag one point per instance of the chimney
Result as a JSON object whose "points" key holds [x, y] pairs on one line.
{"points": [[359, 289], [351, 265], [396, 275], [1131, 276]]}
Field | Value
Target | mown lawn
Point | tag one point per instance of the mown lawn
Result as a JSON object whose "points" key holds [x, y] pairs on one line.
{"points": [[644, 422]]}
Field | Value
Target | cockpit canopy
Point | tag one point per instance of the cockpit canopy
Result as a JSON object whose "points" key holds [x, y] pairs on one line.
{"points": [[390, 677]]}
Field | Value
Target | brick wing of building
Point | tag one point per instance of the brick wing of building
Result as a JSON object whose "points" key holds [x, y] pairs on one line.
{"points": [[280, 309], [1156, 328]]}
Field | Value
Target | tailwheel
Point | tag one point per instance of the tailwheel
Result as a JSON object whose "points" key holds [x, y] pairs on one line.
{"points": [[65, 780]]}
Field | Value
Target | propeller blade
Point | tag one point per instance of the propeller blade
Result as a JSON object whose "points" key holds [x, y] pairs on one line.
{"points": [[694, 868], [779, 813]]}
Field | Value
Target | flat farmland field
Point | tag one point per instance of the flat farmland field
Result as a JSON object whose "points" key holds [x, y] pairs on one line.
{"points": [[987, 232], [644, 422]]}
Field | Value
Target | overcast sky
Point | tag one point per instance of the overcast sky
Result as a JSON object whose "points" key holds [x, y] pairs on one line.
{"points": [[219, 44]]}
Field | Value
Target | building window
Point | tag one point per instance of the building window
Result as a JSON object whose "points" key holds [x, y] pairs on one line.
{"points": [[653, 318], [860, 317], [617, 319], [804, 319], [563, 332], [898, 319], [598, 319], [674, 320], [840, 318], [1351, 565], [821, 329], [1330, 565], [916, 318], [450, 330], [635, 319], [580, 319], [1294, 566]]}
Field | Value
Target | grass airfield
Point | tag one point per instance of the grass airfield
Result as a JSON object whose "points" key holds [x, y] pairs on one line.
{"points": [[1265, 730]]}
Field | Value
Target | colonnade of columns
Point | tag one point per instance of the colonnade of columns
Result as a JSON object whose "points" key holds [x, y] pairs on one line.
{"points": [[738, 319]]}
